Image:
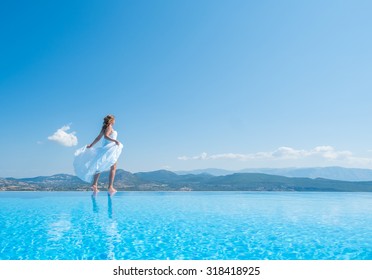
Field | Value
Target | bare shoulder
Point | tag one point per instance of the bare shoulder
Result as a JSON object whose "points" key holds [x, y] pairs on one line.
{"points": [[108, 130]]}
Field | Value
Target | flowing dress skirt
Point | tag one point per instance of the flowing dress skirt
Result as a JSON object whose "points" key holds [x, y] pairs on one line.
{"points": [[90, 161]]}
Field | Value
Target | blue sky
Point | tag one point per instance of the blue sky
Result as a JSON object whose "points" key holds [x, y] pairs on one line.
{"points": [[193, 84]]}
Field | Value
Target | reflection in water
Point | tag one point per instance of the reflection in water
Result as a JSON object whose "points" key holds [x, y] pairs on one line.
{"points": [[109, 206], [94, 203], [96, 207], [110, 226], [58, 229]]}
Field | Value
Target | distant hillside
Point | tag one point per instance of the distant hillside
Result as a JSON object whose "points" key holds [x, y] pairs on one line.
{"points": [[58, 182], [163, 180], [264, 182], [333, 173], [211, 171]]}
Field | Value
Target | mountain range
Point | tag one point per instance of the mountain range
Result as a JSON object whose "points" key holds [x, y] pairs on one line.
{"points": [[205, 180], [332, 172]]}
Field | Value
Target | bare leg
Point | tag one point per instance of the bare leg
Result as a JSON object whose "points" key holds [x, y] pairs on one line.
{"points": [[95, 183], [111, 179]]}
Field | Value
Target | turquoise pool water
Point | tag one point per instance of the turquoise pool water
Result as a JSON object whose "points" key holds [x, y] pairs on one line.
{"points": [[185, 225]]}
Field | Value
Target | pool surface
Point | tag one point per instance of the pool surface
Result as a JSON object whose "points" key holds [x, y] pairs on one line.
{"points": [[185, 225]]}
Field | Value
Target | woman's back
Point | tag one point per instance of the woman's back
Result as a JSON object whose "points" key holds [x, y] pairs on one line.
{"points": [[113, 135]]}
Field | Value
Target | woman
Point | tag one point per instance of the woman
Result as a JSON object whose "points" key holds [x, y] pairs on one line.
{"points": [[90, 162]]}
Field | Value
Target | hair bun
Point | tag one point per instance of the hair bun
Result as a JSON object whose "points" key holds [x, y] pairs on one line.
{"points": [[108, 120]]}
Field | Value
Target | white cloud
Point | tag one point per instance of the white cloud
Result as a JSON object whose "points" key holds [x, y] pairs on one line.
{"points": [[202, 156], [328, 152], [228, 156], [287, 153], [62, 137], [284, 153]]}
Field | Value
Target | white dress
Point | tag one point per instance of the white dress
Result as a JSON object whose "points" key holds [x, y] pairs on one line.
{"points": [[90, 161]]}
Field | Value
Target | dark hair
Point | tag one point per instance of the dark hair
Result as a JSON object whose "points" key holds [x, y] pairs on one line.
{"points": [[109, 119]]}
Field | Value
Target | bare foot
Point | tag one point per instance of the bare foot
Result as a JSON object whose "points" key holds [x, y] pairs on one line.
{"points": [[95, 188], [111, 190]]}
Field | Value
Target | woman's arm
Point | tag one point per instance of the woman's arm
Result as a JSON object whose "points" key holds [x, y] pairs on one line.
{"points": [[96, 140]]}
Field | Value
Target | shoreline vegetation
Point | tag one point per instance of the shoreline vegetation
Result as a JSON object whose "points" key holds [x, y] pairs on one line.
{"points": [[163, 180]]}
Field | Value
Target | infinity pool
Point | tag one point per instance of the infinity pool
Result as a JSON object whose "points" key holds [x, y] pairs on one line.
{"points": [[185, 225]]}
